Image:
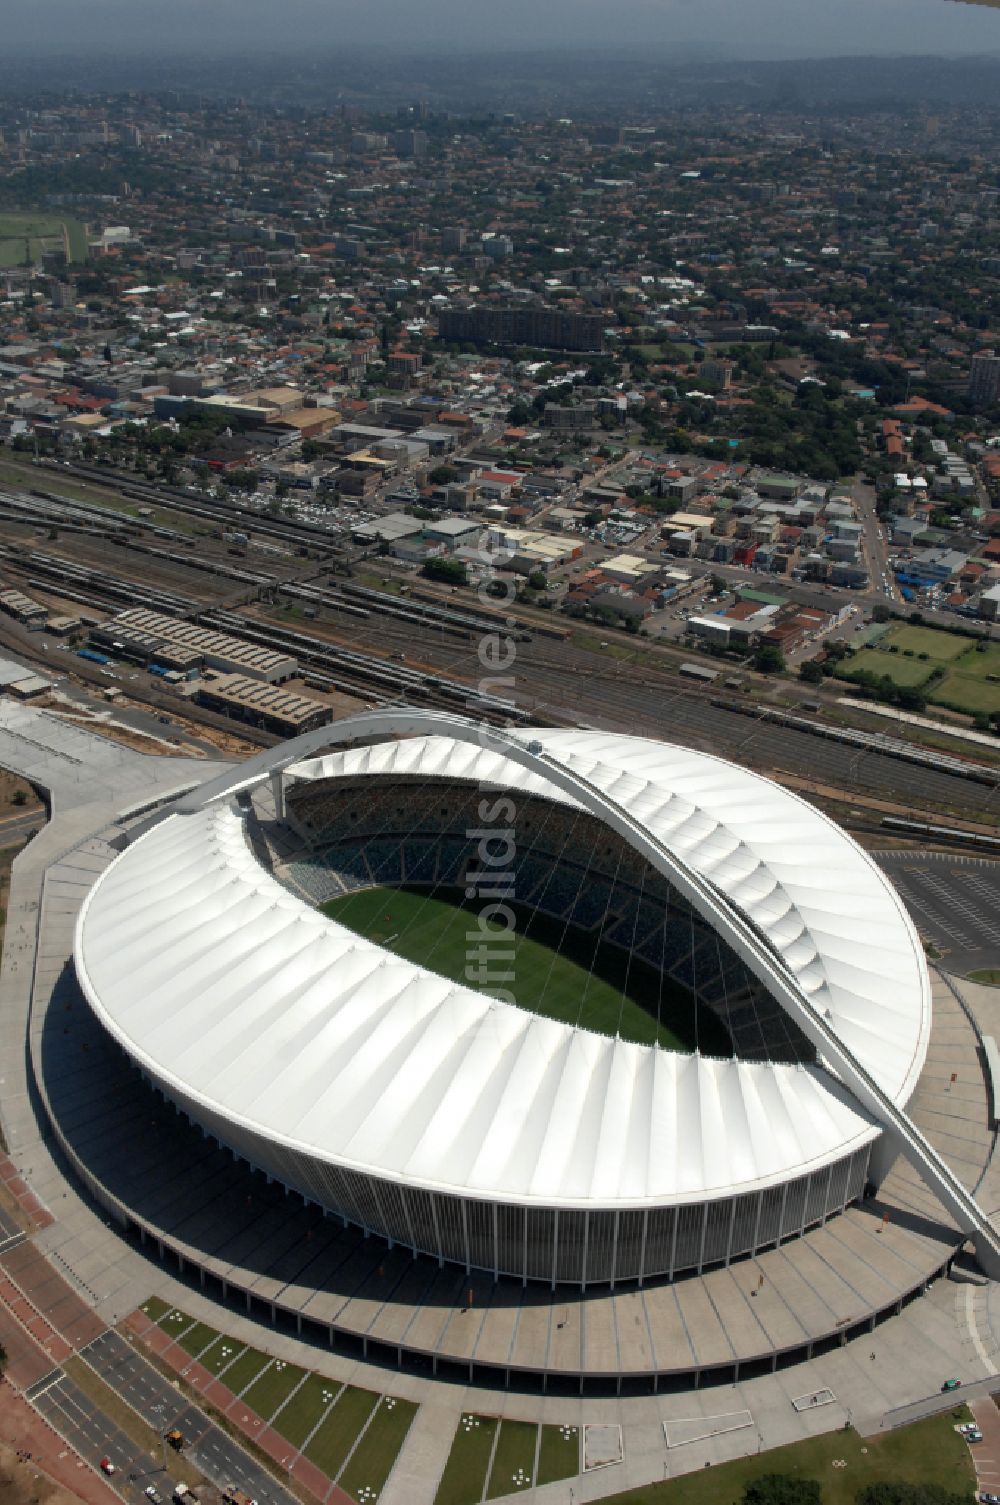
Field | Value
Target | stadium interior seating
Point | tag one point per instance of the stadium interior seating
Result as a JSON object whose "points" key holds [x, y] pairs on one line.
{"points": [[392, 831]]}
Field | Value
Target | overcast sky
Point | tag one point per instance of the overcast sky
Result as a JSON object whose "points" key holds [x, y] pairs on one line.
{"points": [[750, 28]]}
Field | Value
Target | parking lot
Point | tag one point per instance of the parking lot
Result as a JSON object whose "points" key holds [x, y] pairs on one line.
{"points": [[954, 902]]}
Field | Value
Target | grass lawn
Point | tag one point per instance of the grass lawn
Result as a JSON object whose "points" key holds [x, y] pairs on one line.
{"points": [[980, 663], [558, 1455], [929, 1452], [155, 1309], [307, 1409], [43, 231], [559, 983], [387, 583], [196, 1338], [621, 647], [514, 1459], [272, 1388], [223, 1352], [465, 1472], [989, 975], [967, 693], [372, 1460], [339, 1432], [245, 1370], [176, 1323], [906, 672], [940, 646]]}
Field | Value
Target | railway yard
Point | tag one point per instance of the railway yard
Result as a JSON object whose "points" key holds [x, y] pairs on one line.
{"points": [[87, 545]]}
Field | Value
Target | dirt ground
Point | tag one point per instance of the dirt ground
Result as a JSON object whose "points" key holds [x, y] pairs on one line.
{"points": [[23, 1484], [10, 788], [230, 744]]}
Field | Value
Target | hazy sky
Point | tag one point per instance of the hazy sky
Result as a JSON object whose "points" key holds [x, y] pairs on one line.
{"points": [[752, 28]]}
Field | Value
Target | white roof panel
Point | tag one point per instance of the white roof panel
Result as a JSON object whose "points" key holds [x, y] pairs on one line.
{"points": [[235, 994]]}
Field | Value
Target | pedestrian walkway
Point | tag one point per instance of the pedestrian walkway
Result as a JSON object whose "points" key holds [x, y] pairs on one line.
{"points": [[36, 1215], [986, 1454]]}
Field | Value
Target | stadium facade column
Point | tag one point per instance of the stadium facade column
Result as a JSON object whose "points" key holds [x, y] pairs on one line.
{"points": [[883, 1156], [278, 793]]}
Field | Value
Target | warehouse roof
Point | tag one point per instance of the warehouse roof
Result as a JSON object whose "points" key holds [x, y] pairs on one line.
{"points": [[203, 641]]}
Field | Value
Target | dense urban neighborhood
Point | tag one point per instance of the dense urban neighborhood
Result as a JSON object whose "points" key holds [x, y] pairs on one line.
{"points": [[610, 361]]}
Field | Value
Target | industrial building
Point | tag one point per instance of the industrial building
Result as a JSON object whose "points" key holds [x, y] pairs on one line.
{"points": [[23, 609], [148, 637], [262, 705]]}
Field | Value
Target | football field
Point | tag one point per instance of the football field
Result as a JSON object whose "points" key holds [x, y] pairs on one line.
{"points": [[554, 971]]}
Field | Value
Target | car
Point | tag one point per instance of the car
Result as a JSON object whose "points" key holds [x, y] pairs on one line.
{"points": [[152, 1493], [987, 1499], [107, 1467], [952, 1384], [973, 1435]]}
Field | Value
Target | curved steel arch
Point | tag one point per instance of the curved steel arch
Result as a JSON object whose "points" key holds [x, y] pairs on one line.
{"points": [[723, 916]]}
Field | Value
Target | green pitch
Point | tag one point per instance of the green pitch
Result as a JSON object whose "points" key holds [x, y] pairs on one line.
{"points": [[30, 234], [562, 974]]}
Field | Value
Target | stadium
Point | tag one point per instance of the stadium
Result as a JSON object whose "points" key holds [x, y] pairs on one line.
{"points": [[565, 1006]]}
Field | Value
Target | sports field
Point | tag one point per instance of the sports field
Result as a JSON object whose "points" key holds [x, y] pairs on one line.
{"points": [[560, 973], [31, 233], [970, 672]]}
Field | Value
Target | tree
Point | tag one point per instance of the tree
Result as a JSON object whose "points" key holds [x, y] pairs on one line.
{"points": [[782, 1489], [451, 571], [442, 475], [769, 659], [537, 580], [895, 1492], [811, 672]]}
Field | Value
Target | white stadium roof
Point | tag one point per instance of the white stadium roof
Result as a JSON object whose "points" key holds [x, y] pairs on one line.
{"points": [[236, 995]]}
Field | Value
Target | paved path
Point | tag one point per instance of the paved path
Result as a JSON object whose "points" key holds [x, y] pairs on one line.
{"points": [[986, 1454], [25, 1431]]}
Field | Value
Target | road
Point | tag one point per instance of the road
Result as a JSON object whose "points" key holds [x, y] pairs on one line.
{"points": [[875, 547], [220, 1458], [95, 1436], [14, 828]]}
